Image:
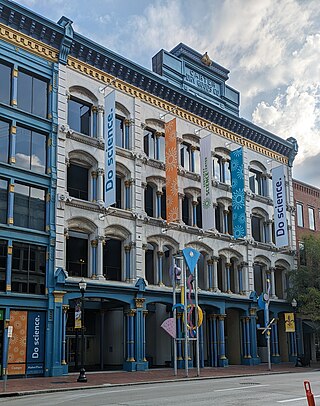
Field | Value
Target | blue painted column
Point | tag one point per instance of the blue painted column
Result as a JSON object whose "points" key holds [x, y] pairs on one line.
{"points": [[192, 159], [223, 361], [14, 86], [9, 266], [65, 309], [48, 199], [215, 340], [159, 194], [225, 221], [94, 121], [54, 350], [12, 143], [127, 134], [210, 274], [49, 155], [130, 344], [201, 347], [194, 212], [94, 186], [244, 337], [227, 269], [253, 337], [127, 185], [140, 363], [127, 250], [210, 334], [157, 140], [160, 261], [50, 95], [10, 202], [240, 280], [94, 249], [180, 362], [247, 324]]}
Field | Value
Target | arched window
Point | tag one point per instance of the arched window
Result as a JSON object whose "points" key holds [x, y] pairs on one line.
{"points": [[112, 259], [199, 212], [258, 182], [229, 219], [202, 271], [149, 201], [166, 265], [221, 170], [120, 131], [79, 116], [150, 264], [259, 228], [77, 254], [187, 210], [219, 218], [258, 278], [164, 204], [186, 156], [154, 144], [78, 181]]}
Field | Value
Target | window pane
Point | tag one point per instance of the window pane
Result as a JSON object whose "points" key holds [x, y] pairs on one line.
{"points": [[3, 264], [161, 151], [299, 215], [149, 143], [21, 205], [79, 116], [38, 152], [119, 192], [112, 260], [4, 141], [311, 218], [120, 132], [37, 209], [23, 146], [3, 200], [256, 228], [148, 201], [39, 97], [5, 83], [78, 178], [24, 91], [77, 256], [196, 155]]}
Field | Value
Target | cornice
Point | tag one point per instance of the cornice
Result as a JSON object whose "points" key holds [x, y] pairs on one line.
{"points": [[29, 44], [162, 104]]}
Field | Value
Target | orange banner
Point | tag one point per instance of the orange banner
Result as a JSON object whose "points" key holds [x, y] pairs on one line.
{"points": [[18, 343], [172, 200]]}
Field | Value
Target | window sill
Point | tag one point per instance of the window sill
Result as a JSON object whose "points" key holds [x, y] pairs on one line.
{"points": [[85, 139]]}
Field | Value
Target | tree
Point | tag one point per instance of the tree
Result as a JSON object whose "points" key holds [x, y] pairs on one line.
{"points": [[305, 282]]}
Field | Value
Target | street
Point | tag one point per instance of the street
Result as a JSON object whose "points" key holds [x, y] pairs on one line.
{"points": [[276, 389]]}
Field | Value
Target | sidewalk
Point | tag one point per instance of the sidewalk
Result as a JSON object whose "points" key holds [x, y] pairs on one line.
{"points": [[25, 386]]}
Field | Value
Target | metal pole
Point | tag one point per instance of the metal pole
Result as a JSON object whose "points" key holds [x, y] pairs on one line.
{"points": [[267, 320], [175, 318], [185, 321], [197, 319], [82, 376]]}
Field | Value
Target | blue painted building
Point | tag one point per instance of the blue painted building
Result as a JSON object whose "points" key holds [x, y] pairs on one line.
{"points": [[55, 229]]}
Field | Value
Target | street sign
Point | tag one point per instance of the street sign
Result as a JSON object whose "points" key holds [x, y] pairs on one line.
{"points": [[10, 331]]}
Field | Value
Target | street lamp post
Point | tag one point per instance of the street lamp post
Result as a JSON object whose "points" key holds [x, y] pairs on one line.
{"points": [[82, 376], [294, 305]]}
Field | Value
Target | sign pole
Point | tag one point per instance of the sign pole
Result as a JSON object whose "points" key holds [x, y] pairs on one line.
{"points": [[9, 335]]}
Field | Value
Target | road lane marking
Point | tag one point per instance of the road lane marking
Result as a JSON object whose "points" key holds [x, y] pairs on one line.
{"points": [[295, 400], [243, 387]]}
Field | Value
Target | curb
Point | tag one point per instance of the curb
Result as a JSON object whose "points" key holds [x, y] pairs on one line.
{"points": [[112, 385]]}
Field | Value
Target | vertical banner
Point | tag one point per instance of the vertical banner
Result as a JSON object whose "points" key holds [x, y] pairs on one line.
{"points": [[279, 204], [206, 183], [289, 323], [18, 343], [110, 149], [238, 195], [35, 343], [172, 200], [77, 316]]}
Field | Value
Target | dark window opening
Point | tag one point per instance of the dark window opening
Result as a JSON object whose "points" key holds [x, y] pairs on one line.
{"points": [[4, 141], [186, 217], [5, 83], [79, 116], [29, 207], [112, 260], [149, 143], [3, 264], [256, 228], [77, 255], [120, 132], [258, 282], [32, 94], [164, 204], [149, 201], [149, 264], [199, 213], [77, 182], [28, 269], [3, 200]]}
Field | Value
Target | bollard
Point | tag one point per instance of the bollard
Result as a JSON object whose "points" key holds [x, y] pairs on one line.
{"points": [[310, 397]]}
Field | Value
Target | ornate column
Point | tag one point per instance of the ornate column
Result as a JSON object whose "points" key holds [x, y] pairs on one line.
{"points": [[247, 325], [240, 284], [9, 266], [181, 197], [158, 134], [65, 309], [180, 362], [269, 232], [245, 275], [102, 314], [94, 245], [159, 193], [194, 212], [127, 185], [225, 221], [99, 269], [12, 143], [227, 270], [201, 347], [192, 158], [100, 186], [14, 86], [94, 110], [141, 363], [214, 207], [100, 123], [127, 133], [47, 215], [94, 176], [160, 261], [223, 361], [128, 276], [253, 334], [215, 274], [130, 343], [244, 338], [210, 274], [10, 202], [273, 283]]}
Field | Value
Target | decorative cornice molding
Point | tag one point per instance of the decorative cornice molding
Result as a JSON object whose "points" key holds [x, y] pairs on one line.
{"points": [[29, 44]]}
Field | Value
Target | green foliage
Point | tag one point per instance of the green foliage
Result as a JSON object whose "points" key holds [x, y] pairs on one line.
{"points": [[305, 281]]}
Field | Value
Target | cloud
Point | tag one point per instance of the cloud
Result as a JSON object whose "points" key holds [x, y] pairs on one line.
{"points": [[306, 172]]}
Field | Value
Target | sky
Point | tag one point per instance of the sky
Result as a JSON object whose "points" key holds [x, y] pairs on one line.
{"points": [[272, 49]]}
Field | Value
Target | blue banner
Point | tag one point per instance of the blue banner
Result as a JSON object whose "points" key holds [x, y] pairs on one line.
{"points": [[110, 149], [35, 343], [238, 195], [191, 257]]}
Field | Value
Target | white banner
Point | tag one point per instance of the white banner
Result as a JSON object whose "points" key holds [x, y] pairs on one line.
{"points": [[206, 183], [110, 149], [279, 204]]}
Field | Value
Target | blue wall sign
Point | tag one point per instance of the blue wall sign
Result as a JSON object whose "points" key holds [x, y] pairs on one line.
{"points": [[35, 343], [110, 149], [238, 195]]}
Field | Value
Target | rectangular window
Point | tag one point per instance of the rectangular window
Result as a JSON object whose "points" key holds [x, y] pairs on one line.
{"points": [[3, 200], [79, 116], [149, 143], [5, 83], [29, 207], [4, 141], [120, 132], [28, 268], [77, 182], [312, 225], [31, 150], [77, 254], [299, 215], [32, 94], [3, 264]]}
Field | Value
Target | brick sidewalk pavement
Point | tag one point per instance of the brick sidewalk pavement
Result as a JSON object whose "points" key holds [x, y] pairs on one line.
{"points": [[19, 386]]}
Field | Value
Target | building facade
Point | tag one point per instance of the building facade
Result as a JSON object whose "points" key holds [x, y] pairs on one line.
{"points": [[125, 252]]}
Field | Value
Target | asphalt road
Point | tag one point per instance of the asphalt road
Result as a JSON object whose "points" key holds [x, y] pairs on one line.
{"points": [[276, 389]]}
